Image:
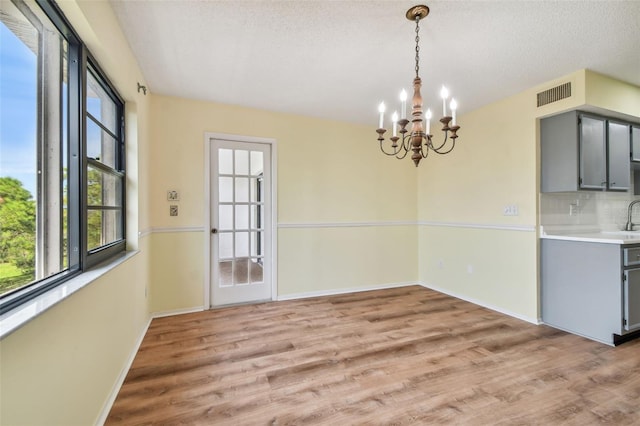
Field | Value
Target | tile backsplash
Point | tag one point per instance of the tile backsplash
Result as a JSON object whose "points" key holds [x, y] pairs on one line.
{"points": [[606, 210]]}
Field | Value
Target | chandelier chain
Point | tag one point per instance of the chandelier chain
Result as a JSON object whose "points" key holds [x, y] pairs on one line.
{"points": [[417, 46]]}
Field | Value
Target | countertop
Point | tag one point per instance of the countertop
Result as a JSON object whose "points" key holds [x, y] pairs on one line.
{"points": [[591, 235]]}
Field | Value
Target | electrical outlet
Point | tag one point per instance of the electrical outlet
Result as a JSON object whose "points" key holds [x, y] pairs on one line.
{"points": [[173, 195], [173, 210], [573, 209], [469, 269], [510, 210], [440, 264]]}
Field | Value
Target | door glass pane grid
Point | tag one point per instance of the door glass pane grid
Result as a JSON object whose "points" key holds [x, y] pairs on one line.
{"points": [[225, 217], [235, 270], [225, 161], [256, 163], [241, 217], [241, 271], [241, 189], [241, 213], [239, 162], [257, 217], [225, 274], [225, 245]]}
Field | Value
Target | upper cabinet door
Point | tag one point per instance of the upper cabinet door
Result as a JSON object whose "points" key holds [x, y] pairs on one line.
{"points": [[635, 143], [619, 148], [593, 154]]}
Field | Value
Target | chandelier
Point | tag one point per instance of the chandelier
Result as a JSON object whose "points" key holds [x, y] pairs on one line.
{"points": [[419, 140]]}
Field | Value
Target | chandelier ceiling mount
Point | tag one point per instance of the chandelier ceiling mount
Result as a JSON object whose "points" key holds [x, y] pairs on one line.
{"points": [[419, 11]]}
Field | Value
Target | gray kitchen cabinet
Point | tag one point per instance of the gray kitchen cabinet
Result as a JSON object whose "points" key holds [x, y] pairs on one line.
{"points": [[593, 152], [590, 289], [559, 153], [631, 299], [635, 143], [583, 151], [618, 158]]}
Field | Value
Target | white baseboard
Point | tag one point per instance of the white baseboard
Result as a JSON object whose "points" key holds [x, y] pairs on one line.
{"points": [[123, 374], [333, 292], [176, 312], [104, 413], [536, 321]]}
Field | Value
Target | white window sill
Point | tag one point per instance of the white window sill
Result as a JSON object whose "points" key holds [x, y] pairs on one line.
{"points": [[16, 318]]}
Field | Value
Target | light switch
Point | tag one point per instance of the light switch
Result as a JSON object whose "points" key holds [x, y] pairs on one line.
{"points": [[510, 210], [173, 210]]}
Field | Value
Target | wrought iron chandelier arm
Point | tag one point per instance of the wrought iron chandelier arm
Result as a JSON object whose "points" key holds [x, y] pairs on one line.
{"points": [[405, 147], [444, 142], [425, 152], [395, 152], [453, 145], [449, 133]]}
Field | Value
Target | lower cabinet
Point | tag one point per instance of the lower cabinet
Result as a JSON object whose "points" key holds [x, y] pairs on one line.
{"points": [[590, 289], [631, 295]]}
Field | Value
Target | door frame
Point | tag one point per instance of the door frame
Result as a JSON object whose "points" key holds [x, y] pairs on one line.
{"points": [[208, 142]]}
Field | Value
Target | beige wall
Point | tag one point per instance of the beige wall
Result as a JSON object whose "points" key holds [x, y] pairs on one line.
{"points": [[320, 259], [477, 256], [329, 173], [61, 367], [494, 268], [467, 246], [177, 271], [613, 95]]}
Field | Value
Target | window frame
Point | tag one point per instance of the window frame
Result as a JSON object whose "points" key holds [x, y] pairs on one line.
{"points": [[80, 259], [100, 254]]}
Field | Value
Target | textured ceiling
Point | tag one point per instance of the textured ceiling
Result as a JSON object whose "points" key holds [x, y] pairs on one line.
{"points": [[339, 59]]}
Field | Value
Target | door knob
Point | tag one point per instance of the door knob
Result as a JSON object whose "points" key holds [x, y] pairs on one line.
{"points": [[214, 231]]}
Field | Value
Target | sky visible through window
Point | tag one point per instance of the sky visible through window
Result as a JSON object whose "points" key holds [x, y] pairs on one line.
{"points": [[35, 144], [18, 110]]}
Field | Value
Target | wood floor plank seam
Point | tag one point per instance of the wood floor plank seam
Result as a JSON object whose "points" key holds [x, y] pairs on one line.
{"points": [[386, 357]]}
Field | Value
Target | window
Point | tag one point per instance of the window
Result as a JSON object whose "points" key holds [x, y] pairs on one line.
{"points": [[62, 174], [105, 180]]}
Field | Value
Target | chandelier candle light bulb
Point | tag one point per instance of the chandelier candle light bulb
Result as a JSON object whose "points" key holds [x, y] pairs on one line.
{"points": [[381, 109], [453, 105], [444, 93], [418, 141], [403, 104], [394, 119]]}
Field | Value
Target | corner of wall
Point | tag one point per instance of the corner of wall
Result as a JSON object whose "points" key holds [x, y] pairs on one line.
{"points": [[612, 95]]}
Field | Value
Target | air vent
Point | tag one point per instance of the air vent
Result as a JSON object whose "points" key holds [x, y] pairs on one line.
{"points": [[554, 94]]}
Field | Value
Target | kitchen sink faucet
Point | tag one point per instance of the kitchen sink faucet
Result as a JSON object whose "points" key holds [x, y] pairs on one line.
{"points": [[629, 226]]}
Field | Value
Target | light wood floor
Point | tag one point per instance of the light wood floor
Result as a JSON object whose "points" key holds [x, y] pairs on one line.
{"points": [[398, 356]]}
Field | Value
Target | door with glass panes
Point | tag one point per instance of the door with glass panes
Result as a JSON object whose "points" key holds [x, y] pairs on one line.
{"points": [[240, 219]]}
